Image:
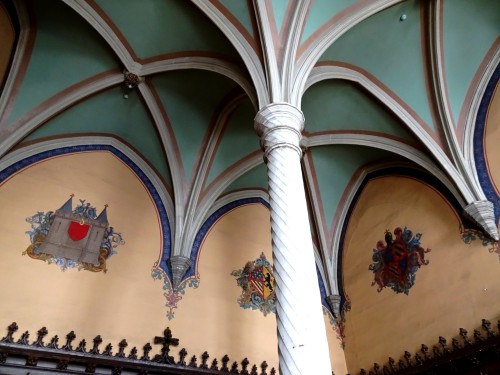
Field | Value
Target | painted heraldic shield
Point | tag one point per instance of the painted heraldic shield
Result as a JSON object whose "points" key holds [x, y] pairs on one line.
{"points": [[76, 234]]}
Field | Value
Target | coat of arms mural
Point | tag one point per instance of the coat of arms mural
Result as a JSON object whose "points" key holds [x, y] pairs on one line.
{"points": [[73, 238], [257, 283], [396, 261]]}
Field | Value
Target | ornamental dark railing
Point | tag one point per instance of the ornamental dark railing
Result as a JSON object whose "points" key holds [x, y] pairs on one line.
{"points": [[21, 356], [479, 355]]}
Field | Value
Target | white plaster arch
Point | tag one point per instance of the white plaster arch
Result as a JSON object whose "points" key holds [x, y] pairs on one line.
{"points": [[338, 72]]}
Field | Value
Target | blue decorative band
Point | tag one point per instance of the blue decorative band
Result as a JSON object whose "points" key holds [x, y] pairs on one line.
{"points": [[479, 152]]}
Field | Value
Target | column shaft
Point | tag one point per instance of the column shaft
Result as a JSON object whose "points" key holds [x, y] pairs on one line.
{"points": [[302, 343]]}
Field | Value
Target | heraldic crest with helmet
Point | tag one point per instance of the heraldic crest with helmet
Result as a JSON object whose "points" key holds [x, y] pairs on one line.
{"points": [[396, 262]]}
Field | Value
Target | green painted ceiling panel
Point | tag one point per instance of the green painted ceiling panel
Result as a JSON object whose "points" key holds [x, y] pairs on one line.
{"points": [[469, 28], [255, 178], [166, 26], [342, 105], [391, 50], [110, 113], [239, 9], [60, 59], [279, 9], [239, 140], [320, 12], [189, 98], [335, 166]]}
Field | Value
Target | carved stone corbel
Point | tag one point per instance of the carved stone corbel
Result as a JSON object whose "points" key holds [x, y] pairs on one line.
{"points": [[180, 265], [482, 213], [334, 302]]}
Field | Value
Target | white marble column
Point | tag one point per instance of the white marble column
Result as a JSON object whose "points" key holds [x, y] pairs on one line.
{"points": [[302, 343]]}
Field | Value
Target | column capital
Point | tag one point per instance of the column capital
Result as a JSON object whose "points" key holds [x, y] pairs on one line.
{"points": [[279, 125]]}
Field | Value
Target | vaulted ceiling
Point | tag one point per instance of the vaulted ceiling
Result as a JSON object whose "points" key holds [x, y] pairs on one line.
{"points": [[383, 84]]}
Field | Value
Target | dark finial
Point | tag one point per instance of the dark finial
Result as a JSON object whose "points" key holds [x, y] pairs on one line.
{"points": [[108, 350], [385, 370], [376, 367], [477, 336], [204, 359], [244, 365], [444, 345], [69, 338], [42, 332], [425, 351], [455, 344], [418, 360], [463, 333], [487, 327], [436, 351], [24, 338], [263, 367], [10, 331], [407, 357], [182, 355], [254, 370], [273, 371], [53, 342], [121, 349], [225, 361], [133, 353], [234, 368], [81, 346], [214, 365], [392, 364], [192, 362], [97, 341], [146, 349], [362, 372]]}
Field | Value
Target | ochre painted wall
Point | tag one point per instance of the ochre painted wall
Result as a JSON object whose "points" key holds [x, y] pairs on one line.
{"points": [[123, 303], [126, 302], [458, 288], [211, 311], [337, 357]]}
